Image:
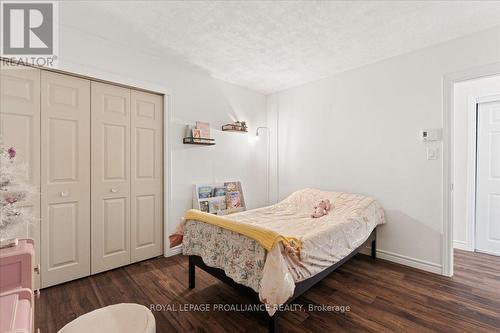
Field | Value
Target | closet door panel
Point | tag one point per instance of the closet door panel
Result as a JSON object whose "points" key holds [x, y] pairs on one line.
{"points": [[146, 172], [62, 219], [20, 128], [114, 228], [110, 177], [65, 177]]}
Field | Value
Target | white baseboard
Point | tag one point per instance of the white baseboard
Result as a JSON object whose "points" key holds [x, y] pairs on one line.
{"points": [[488, 252], [407, 261], [174, 251], [461, 245]]}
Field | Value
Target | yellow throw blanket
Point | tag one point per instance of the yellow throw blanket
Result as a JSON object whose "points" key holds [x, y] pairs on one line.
{"points": [[265, 237]]}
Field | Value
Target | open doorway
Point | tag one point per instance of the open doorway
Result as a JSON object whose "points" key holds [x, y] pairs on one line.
{"points": [[476, 166]]}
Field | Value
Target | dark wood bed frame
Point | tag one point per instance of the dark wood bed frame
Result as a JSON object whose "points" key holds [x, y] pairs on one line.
{"points": [[300, 287]]}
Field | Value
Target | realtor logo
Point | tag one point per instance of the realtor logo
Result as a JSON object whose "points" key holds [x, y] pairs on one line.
{"points": [[28, 30]]}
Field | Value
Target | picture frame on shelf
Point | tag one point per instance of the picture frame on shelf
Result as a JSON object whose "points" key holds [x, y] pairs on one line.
{"points": [[196, 135], [204, 129]]}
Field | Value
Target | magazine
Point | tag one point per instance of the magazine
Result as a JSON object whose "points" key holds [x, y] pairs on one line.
{"points": [[219, 191], [217, 204], [204, 206], [231, 186], [233, 199], [204, 192]]}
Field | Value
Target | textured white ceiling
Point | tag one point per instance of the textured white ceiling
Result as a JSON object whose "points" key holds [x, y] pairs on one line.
{"points": [[270, 46]]}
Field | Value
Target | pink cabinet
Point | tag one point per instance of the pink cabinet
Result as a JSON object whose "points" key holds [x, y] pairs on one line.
{"points": [[16, 287]]}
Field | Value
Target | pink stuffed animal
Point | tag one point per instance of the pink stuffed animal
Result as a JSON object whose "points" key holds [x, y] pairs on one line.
{"points": [[322, 208]]}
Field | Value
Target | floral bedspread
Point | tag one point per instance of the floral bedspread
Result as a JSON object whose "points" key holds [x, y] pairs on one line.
{"points": [[241, 258]]}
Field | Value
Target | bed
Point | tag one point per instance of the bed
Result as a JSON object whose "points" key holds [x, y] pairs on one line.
{"points": [[279, 276]]}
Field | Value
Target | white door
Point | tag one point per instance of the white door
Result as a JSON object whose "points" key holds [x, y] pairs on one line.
{"points": [[110, 135], [488, 178], [65, 141], [146, 226], [20, 128]]}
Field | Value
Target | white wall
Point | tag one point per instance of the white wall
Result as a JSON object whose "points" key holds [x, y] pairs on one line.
{"points": [[358, 132], [462, 92], [194, 96]]}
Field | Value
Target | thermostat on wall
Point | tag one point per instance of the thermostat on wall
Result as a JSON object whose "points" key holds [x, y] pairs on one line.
{"points": [[431, 134]]}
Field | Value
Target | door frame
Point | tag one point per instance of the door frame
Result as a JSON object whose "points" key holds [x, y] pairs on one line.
{"points": [[449, 81], [470, 208]]}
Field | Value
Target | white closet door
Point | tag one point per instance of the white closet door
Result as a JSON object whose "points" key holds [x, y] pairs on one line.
{"points": [[20, 128], [488, 178], [65, 178], [146, 172], [110, 177]]}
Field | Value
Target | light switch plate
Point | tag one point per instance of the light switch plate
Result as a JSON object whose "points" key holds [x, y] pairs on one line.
{"points": [[432, 153]]}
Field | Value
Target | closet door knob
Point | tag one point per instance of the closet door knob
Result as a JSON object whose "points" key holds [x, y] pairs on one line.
{"points": [[63, 194], [114, 190]]}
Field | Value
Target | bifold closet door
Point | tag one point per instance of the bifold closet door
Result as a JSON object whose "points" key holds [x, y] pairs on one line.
{"points": [[20, 128], [146, 175], [65, 178], [110, 135]]}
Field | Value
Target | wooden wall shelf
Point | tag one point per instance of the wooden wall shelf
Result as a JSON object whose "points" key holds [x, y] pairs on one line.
{"points": [[234, 128], [199, 141], [231, 130]]}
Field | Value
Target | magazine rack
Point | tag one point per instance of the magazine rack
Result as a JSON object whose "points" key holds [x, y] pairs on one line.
{"points": [[216, 202]]}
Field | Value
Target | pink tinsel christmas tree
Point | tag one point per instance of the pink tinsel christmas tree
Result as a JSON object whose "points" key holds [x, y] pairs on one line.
{"points": [[13, 191]]}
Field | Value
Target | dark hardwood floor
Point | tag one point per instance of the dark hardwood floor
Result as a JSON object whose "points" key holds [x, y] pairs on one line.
{"points": [[382, 296]]}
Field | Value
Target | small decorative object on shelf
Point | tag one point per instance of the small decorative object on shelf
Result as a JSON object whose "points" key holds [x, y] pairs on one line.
{"points": [[188, 132], [239, 126]]}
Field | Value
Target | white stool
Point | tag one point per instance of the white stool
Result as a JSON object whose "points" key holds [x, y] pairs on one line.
{"points": [[117, 318]]}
